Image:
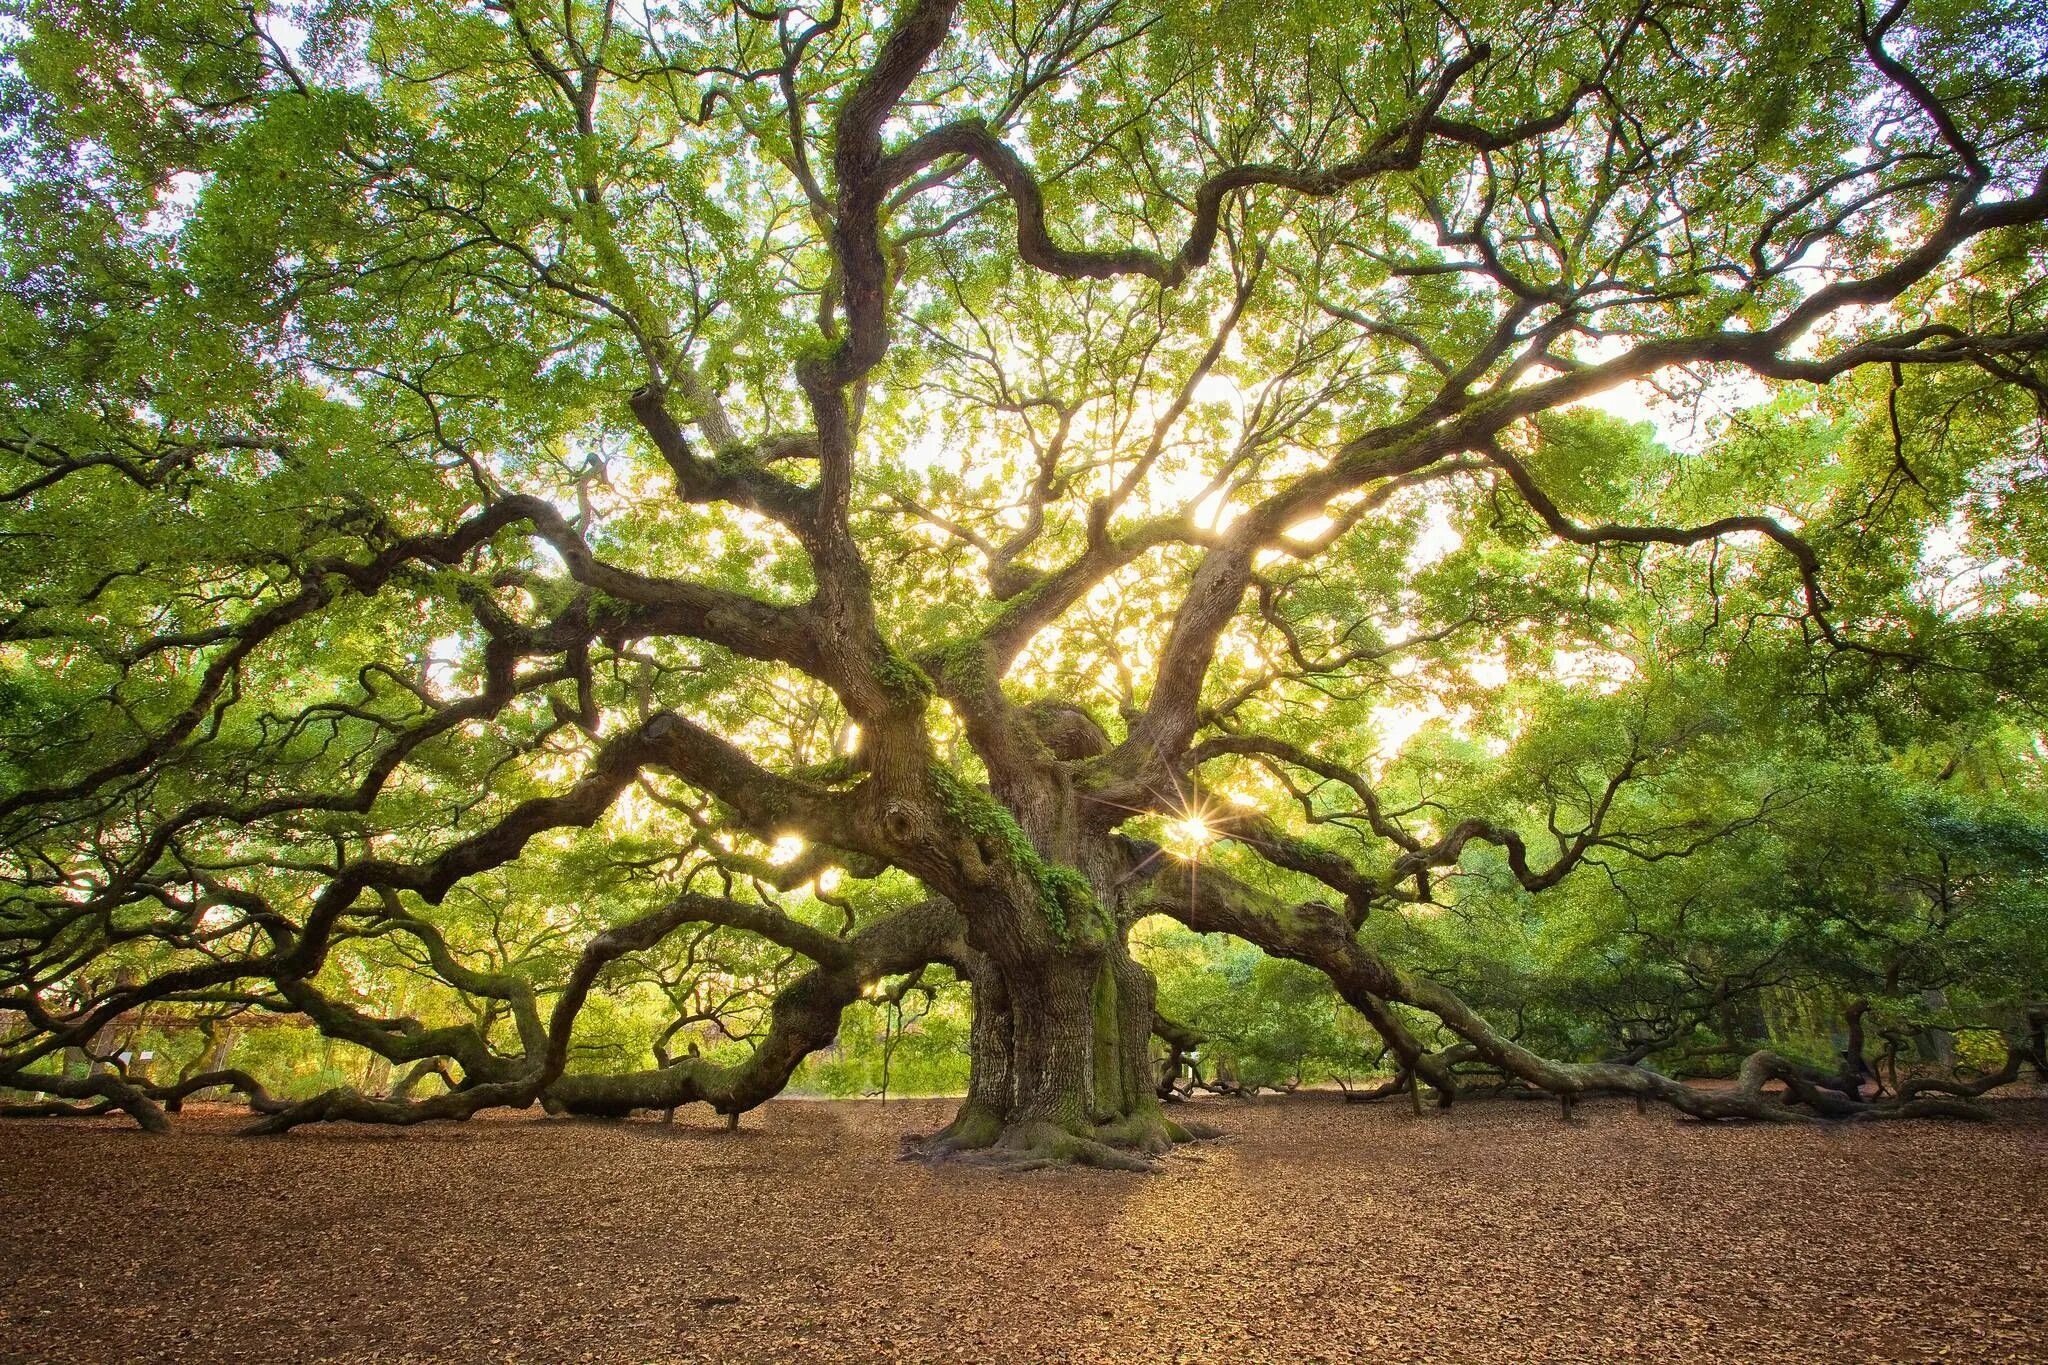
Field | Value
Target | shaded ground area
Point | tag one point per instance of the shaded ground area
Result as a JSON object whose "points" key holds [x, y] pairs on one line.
{"points": [[1313, 1231]]}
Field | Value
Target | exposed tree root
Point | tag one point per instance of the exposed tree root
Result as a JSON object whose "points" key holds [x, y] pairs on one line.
{"points": [[1035, 1145], [116, 1092], [979, 1137], [974, 1128]]}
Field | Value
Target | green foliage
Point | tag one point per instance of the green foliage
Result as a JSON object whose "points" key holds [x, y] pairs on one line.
{"points": [[928, 1052], [1265, 1022], [291, 292]]}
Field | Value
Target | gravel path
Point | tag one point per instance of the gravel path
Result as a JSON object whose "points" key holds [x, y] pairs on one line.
{"points": [[1312, 1231]]}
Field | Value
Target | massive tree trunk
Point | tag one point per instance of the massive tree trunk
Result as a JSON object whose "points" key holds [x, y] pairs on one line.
{"points": [[1061, 1051], [1061, 1063]]}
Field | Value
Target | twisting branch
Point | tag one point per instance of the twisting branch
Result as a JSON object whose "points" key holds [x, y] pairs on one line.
{"points": [[1318, 937], [1398, 148]]}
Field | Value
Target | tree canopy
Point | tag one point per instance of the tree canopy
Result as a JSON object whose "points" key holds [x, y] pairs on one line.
{"points": [[567, 546]]}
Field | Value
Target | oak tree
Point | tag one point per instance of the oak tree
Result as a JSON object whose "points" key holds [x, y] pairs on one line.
{"points": [[837, 491]]}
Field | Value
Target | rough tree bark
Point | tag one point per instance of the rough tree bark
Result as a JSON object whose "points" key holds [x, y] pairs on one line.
{"points": [[1061, 1051], [1033, 892]]}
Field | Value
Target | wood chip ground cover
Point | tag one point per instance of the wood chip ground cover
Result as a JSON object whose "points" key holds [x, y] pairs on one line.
{"points": [[1312, 1231]]}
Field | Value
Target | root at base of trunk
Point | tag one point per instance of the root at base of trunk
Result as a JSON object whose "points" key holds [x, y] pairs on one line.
{"points": [[979, 1137]]}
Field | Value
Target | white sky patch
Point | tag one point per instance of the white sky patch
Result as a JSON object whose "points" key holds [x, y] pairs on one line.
{"points": [[444, 660], [632, 812], [175, 203], [1951, 580], [1396, 725], [1437, 539], [1488, 673], [1216, 512], [1688, 425], [1603, 670], [1304, 531]]}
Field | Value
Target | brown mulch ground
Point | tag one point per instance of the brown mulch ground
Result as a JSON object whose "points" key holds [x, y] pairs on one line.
{"points": [[1313, 1231]]}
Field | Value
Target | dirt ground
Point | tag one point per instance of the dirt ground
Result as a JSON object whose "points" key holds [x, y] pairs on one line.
{"points": [[1311, 1231]]}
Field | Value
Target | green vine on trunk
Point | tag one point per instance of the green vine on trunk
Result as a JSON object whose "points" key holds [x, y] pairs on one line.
{"points": [[963, 664], [902, 678], [1064, 895]]}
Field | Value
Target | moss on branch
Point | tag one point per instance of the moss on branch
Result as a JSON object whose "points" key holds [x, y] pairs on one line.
{"points": [[1064, 895]]}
